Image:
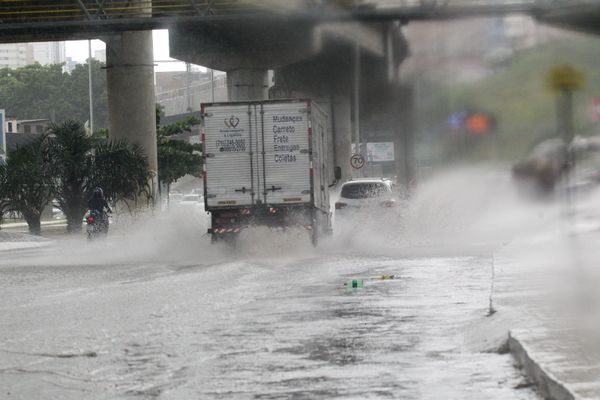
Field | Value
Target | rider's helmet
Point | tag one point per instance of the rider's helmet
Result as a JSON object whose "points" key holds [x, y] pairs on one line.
{"points": [[98, 192]]}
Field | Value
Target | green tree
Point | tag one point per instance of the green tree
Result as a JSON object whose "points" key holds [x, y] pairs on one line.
{"points": [[71, 160], [79, 96], [45, 91], [26, 183], [176, 158], [34, 91], [121, 170], [80, 163]]}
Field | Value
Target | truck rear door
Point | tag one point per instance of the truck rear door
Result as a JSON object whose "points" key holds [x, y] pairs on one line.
{"points": [[286, 143], [229, 132]]}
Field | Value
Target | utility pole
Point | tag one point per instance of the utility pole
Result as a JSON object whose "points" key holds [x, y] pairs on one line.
{"points": [[91, 87], [212, 85], [188, 82], [356, 100]]}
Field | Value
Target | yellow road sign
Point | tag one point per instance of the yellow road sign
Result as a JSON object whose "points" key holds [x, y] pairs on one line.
{"points": [[565, 77]]}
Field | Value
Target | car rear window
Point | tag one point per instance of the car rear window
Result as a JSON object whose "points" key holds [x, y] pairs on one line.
{"points": [[364, 190]]}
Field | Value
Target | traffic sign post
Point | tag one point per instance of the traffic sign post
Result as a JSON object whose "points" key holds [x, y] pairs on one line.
{"points": [[357, 161], [564, 80]]}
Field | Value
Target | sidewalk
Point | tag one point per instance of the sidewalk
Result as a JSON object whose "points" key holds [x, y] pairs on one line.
{"points": [[15, 236], [18, 225], [10, 241], [548, 287]]}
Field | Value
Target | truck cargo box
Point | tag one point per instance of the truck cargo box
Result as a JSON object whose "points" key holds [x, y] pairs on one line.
{"points": [[268, 152], [265, 154]]}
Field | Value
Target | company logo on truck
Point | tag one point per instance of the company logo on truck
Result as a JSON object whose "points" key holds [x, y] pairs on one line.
{"points": [[232, 122], [232, 140]]}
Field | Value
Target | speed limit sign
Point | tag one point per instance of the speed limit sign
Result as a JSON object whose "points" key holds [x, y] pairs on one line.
{"points": [[357, 161]]}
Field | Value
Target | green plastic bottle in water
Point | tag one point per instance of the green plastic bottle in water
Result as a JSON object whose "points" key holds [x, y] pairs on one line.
{"points": [[355, 283]]}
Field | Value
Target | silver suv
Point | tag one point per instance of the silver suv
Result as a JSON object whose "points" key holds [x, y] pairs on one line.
{"points": [[370, 193]]}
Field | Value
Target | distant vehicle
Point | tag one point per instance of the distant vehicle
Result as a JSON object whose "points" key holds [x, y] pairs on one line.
{"points": [[365, 194], [175, 197], [544, 166], [194, 199], [265, 163]]}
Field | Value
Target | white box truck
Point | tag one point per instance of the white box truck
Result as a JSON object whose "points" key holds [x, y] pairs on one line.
{"points": [[265, 164]]}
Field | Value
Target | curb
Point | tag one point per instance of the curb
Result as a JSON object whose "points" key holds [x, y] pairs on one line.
{"points": [[549, 386], [24, 224], [21, 246]]}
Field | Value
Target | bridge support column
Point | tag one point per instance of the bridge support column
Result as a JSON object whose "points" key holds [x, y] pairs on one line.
{"points": [[404, 136], [247, 84], [341, 107], [130, 89]]}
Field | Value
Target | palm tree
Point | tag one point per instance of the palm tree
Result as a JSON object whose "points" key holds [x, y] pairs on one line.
{"points": [[26, 183], [81, 163], [121, 170], [71, 161]]}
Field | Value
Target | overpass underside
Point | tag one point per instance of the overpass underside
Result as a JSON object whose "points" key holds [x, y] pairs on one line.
{"points": [[44, 20], [344, 54]]}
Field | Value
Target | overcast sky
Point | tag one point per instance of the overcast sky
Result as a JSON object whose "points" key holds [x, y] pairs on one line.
{"points": [[78, 51]]}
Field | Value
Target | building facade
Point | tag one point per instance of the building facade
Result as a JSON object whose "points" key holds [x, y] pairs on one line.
{"points": [[15, 55]]}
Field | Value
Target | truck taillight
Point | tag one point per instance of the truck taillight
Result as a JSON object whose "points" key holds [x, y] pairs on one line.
{"points": [[339, 205]]}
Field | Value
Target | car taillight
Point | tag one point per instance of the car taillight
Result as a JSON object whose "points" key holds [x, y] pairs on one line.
{"points": [[90, 220], [339, 205], [388, 203]]}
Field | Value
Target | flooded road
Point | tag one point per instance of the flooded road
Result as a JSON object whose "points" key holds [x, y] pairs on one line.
{"points": [[264, 328]]}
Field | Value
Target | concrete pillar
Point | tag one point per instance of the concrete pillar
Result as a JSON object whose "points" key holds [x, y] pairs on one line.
{"points": [[341, 107], [404, 136], [247, 84], [130, 88]]}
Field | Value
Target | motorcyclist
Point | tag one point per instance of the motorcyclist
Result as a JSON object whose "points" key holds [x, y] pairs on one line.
{"points": [[98, 203]]}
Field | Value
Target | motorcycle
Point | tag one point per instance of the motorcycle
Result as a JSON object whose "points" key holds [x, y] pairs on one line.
{"points": [[97, 224]]}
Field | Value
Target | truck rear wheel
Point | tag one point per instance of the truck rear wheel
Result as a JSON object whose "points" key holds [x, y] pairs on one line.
{"points": [[229, 239]]}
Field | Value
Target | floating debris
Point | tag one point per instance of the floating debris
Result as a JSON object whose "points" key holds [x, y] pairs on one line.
{"points": [[355, 283]]}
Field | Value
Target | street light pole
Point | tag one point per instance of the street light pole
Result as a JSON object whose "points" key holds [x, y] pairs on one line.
{"points": [[91, 89], [188, 85], [356, 99], [212, 85]]}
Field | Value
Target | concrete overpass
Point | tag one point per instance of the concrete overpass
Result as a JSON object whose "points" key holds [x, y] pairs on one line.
{"points": [[327, 50], [43, 20]]}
